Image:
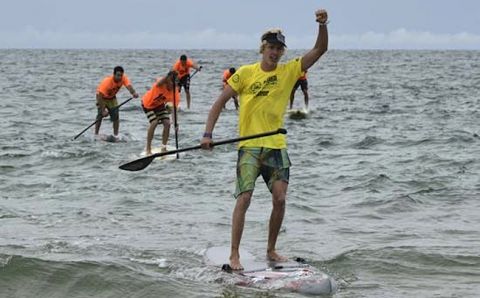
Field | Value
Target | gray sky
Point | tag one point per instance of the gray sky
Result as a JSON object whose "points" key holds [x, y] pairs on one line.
{"points": [[223, 24]]}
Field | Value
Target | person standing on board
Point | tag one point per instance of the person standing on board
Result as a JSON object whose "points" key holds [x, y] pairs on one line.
{"points": [[107, 99], [226, 75], [154, 104], [182, 67], [303, 84], [264, 89]]}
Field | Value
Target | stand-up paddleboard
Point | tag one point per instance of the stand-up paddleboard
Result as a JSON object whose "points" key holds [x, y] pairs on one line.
{"points": [[298, 113], [107, 138], [295, 275], [158, 150]]}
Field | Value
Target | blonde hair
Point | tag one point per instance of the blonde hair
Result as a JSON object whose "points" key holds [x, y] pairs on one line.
{"points": [[264, 42]]}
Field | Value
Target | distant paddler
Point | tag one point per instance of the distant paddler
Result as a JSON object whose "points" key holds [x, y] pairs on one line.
{"points": [[303, 84], [227, 73], [107, 98], [182, 67], [154, 104]]}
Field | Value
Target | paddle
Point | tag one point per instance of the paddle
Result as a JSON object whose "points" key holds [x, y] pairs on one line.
{"points": [[117, 107], [143, 162], [195, 72], [175, 114]]}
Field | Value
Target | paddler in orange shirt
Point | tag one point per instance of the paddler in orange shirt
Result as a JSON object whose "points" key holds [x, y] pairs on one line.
{"points": [[303, 84], [107, 99], [182, 67], [226, 75], [154, 104]]}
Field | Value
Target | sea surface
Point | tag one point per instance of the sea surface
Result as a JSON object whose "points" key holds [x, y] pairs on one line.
{"points": [[383, 196]]}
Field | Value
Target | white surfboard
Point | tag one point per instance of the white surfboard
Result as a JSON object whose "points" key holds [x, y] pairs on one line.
{"points": [[293, 275], [158, 150], [107, 138], [298, 114]]}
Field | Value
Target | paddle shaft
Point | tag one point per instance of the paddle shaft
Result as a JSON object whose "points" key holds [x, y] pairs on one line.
{"points": [[229, 141], [175, 116], [117, 107], [195, 72], [142, 163]]}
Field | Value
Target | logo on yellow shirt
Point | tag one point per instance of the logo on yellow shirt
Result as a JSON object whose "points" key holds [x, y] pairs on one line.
{"points": [[257, 87], [271, 80], [236, 78]]}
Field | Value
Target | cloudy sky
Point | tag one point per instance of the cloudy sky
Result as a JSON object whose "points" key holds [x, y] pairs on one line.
{"points": [[224, 24]]}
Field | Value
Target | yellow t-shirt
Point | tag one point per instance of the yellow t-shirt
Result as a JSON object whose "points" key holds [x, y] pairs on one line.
{"points": [[264, 97]]}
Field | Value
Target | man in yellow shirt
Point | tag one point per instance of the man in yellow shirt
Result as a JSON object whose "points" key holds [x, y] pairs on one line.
{"points": [[264, 89]]}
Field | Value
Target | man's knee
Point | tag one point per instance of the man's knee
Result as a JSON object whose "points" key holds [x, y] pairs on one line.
{"points": [[153, 124], [166, 123], [279, 193], [243, 200], [279, 201]]}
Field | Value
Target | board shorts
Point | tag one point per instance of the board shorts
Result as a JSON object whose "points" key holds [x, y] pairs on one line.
{"points": [[301, 83], [158, 114], [185, 82], [109, 104], [272, 164]]}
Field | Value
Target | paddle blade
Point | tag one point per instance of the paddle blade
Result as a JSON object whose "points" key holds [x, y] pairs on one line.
{"points": [[138, 164]]}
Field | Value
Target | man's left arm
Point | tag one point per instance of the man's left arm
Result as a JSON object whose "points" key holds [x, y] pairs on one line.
{"points": [[321, 44]]}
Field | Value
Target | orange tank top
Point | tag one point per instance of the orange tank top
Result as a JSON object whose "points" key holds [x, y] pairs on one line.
{"points": [[109, 88], [181, 69], [303, 77], [226, 75], [158, 95]]}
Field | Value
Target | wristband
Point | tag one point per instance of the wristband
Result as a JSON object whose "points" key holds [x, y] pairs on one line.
{"points": [[207, 135]]}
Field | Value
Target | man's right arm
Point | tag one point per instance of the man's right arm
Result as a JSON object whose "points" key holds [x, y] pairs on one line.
{"points": [[214, 113]]}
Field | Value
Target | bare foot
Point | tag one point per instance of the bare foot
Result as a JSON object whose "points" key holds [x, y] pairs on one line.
{"points": [[235, 263], [148, 153], [273, 256]]}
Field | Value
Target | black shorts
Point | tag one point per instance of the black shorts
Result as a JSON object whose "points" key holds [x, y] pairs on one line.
{"points": [[185, 82], [302, 83]]}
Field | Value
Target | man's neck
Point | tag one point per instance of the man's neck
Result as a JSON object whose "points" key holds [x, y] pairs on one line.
{"points": [[265, 66]]}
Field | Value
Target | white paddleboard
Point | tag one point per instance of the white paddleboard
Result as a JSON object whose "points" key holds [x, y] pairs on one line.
{"points": [[158, 150], [293, 275], [107, 138], [298, 113]]}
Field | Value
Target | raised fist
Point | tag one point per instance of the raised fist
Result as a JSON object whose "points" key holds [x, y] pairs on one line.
{"points": [[321, 16]]}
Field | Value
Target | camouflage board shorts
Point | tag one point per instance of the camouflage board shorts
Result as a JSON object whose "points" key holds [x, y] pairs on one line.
{"points": [[109, 104], [272, 164]]}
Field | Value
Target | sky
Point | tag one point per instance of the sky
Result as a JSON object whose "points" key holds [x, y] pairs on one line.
{"points": [[224, 24]]}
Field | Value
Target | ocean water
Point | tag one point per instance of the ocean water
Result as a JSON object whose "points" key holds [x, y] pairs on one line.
{"points": [[384, 190]]}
